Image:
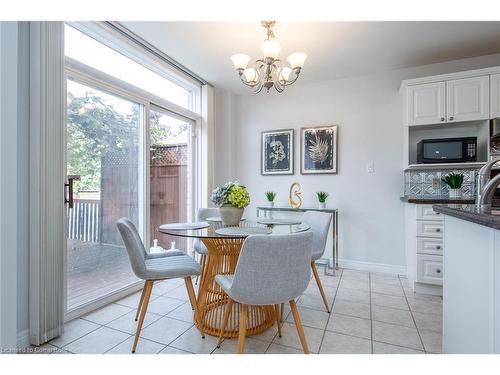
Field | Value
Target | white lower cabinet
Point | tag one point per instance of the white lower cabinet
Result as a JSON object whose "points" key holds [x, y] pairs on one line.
{"points": [[424, 232]]}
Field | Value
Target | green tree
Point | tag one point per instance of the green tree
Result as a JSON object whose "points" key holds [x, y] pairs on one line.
{"points": [[94, 129]]}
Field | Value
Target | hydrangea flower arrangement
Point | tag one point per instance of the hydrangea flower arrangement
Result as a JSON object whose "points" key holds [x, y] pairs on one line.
{"points": [[231, 193]]}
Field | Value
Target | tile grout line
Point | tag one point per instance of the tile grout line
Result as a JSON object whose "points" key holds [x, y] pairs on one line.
{"points": [[78, 338], [331, 311], [412, 317], [120, 343]]}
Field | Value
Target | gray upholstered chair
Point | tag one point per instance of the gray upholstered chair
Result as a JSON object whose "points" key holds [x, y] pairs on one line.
{"points": [[198, 246], [270, 270], [155, 268], [320, 225]]}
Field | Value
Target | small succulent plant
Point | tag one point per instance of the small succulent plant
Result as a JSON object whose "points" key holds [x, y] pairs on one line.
{"points": [[322, 195], [270, 195], [454, 180]]}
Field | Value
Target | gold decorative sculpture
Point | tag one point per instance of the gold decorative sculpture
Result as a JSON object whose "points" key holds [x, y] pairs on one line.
{"points": [[295, 193]]}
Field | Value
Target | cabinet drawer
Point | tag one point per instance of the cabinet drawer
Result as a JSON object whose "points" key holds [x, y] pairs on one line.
{"points": [[427, 228], [425, 212], [430, 269], [433, 246]]}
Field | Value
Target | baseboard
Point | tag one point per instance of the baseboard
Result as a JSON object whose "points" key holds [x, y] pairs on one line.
{"points": [[372, 267], [433, 290], [23, 339]]}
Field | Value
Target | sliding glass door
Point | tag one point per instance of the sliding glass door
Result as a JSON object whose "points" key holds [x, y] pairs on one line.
{"points": [[103, 162], [130, 153]]}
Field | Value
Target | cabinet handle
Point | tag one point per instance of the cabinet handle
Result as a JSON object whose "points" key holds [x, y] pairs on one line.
{"points": [[438, 247], [438, 229], [438, 271], [442, 118], [451, 117]]}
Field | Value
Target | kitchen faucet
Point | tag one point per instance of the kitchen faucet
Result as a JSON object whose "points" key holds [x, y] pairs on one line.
{"points": [[486, 186]]}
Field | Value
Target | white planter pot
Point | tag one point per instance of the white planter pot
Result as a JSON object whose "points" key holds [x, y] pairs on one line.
{"points": [[270, 204], [455, 193], [322, 206], [230, 215]]}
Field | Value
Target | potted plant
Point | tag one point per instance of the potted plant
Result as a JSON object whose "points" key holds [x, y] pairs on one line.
{"points": [[231, 198], [270, 195], [322, 195], [454, 182]]}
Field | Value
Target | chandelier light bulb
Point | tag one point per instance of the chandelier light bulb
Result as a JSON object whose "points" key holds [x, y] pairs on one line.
{"points": [[250, 75], [271, 48], [240, 60], [296, 60]]}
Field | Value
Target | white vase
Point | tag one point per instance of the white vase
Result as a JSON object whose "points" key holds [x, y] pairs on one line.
{"points": [[321, 205], [455, 193], [271, 204], [230, 215]]}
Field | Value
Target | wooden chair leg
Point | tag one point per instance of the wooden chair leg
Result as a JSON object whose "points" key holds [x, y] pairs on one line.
{"points": [[282, 309], [227, 313], [243, 328], [148, 286], [140, 302], [194, 303], [277, 312], [298, 324], [320, 286], [202, 266]]}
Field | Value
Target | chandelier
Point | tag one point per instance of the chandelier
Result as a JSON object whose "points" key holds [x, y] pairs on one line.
{"points": [[270, 70]]}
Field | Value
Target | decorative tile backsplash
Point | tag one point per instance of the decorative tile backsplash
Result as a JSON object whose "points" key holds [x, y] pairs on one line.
{"points": [[423, 182]]}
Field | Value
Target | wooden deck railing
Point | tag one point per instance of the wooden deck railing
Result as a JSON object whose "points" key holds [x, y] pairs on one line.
{"points": [[83, 221]]}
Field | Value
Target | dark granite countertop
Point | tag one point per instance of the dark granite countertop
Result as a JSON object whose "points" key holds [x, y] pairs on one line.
{"points": [[468, 212], [435, 200]]}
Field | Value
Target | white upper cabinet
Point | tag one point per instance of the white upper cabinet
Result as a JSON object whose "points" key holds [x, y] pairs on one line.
{"points": [[495, 96], [426, 103], [472, 95], [467, 99]]}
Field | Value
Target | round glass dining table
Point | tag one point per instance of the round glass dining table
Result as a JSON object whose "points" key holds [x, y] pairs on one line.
{"points": [[221, 259]]}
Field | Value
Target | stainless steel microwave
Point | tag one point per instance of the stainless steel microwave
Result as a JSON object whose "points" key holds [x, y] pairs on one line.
{"points": [[447, 150]]}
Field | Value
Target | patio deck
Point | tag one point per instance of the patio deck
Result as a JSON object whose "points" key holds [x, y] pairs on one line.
{"points": [[95, 270]]}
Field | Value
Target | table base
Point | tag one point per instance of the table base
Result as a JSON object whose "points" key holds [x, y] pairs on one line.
{"points": [[221, 260]]}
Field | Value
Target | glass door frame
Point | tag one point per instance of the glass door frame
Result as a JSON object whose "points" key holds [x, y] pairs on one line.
{"points": [[86, 75]]}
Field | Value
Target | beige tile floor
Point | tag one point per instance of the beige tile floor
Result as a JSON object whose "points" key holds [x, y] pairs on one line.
{"points": [[372, 313]]}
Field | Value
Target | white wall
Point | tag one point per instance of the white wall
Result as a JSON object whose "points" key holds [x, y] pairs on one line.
{"points": [[368, 111]]}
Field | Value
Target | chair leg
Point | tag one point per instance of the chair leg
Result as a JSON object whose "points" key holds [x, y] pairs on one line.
{"points": [[202, 266], [194, 303], [148, 286], [227, 313], [298, 324], [320, 286], [243, 328], [140, 302], [282, 309], [278, 323]]}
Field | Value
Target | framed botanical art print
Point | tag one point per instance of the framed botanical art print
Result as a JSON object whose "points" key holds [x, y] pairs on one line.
{"points": [[318, 150], [277, 152]]}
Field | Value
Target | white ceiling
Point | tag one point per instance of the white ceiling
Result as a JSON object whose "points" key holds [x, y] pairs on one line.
{"points": [[334, 49]]}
